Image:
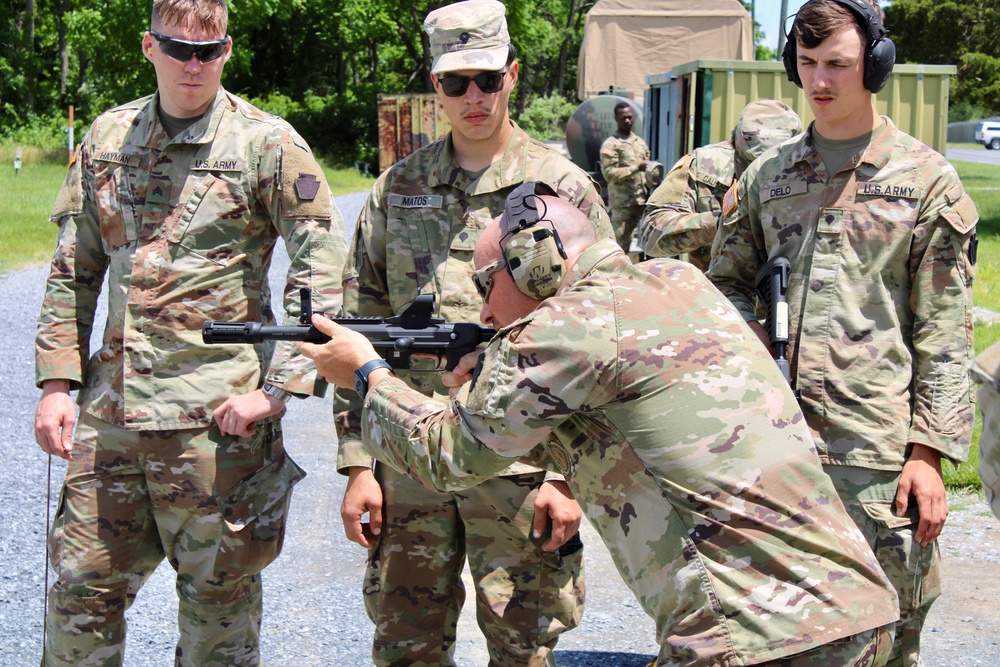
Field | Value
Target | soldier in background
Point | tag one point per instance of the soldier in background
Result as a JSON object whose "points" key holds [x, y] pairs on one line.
{"points": [[673, 427], [880, 235], [415, 235], [682, 214], [178, 198], [986, 369], [624, 159]]}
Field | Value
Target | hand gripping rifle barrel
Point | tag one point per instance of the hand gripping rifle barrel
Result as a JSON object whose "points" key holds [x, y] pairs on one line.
{"points": [[772, 288], [394, 338]]}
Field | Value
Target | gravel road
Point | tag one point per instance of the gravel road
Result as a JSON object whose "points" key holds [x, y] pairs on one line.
{"points": [[313, 613]]}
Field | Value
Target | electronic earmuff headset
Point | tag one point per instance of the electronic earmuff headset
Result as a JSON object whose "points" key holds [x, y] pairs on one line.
{"points": [[880, 52], [534, 255]]}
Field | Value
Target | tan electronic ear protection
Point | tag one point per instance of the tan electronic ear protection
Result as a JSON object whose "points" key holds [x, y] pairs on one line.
{"points": [[534, 254]]}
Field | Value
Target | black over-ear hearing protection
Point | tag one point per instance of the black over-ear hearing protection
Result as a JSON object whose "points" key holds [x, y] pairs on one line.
{"points": [[880, 52], [534, 255]]}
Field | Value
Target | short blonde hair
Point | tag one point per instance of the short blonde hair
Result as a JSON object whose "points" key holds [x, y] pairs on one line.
{"points": [[211, 15]]}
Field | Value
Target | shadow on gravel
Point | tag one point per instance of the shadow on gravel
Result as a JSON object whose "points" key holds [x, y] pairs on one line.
{"points": [[600, 659]]}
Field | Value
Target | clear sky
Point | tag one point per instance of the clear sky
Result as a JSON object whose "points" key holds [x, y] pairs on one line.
{"points": [[768, 14]]}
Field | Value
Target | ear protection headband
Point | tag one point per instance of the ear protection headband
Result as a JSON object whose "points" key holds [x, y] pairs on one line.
{"points": [[880, 52], [534, 254]]}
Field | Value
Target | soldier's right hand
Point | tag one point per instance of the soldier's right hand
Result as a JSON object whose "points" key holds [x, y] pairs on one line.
{"points": [[55, 418], [363, 495]]}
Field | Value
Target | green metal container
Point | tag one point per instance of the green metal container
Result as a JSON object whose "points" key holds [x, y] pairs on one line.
{"points": [[699, 102]]}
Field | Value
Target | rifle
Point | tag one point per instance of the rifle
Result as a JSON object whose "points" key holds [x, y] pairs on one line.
{"points": [[772, 288], [395, 338]]}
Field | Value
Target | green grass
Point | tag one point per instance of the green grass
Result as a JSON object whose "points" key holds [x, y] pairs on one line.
{"points": [[26, 235]]}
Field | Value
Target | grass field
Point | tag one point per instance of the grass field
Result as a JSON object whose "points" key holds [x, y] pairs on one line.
{"points": [[26, 237]]}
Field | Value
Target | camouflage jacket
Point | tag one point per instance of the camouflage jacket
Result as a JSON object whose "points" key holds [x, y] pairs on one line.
{"points": [[986, 369], [682, 444], [417, 233], [879, 296], [620, 158], [683, 212], [184, 231]]}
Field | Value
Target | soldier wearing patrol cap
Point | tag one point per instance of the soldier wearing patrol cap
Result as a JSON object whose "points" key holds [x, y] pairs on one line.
{"points": [[177, 199], [416, 234], [881, 238], [986, 369], [682, 214]]}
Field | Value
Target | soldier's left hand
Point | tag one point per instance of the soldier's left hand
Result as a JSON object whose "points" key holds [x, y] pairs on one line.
{"points": [[555, 501], [345, 353], [238, 414], [923, 480]]}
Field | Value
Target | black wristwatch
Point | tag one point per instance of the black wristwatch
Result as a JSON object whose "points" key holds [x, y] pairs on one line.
{"points": [[361, 375]]}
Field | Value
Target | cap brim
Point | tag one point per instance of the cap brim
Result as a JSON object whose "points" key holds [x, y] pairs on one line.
{"points": [[485, 60]]}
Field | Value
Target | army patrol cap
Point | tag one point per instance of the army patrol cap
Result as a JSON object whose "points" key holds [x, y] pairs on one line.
{"points": [[763, 124], [468, 35]]}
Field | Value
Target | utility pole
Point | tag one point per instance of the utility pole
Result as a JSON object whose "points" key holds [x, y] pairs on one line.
{"points": [[781, 27]]}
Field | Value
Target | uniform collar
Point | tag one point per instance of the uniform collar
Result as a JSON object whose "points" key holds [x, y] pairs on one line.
{"points": [[150, 132], [507, 171], [877, 154], [605, 250]]}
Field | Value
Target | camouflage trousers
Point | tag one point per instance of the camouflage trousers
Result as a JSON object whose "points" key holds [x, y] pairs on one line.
{"points": [[625, 215], [865, 649], [525, 597], [214, 505], [913, 570]]}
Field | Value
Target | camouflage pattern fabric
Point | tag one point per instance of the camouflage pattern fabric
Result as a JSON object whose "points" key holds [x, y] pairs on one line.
{"points": [[416, 235], [986, 370], [880, 300], [620, 159], [682, 214], [534, 595], [470, 35], [184, 232], [684, 446], [913, 570], [219, 533]]}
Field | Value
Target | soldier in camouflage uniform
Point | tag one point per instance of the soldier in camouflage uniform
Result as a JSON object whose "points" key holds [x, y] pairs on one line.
{"points": [[682, 213], [624, 159], [986, 370], [178, 199], [676, 432], [880, 235], [416, 234]]}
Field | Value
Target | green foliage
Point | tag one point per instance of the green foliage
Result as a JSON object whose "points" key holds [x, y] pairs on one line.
{"points": [[957, 32], [545, 117], [965, 110]]}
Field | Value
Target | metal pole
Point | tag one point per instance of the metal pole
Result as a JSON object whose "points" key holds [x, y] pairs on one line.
{"points": [[70, 141], [781, 26]]}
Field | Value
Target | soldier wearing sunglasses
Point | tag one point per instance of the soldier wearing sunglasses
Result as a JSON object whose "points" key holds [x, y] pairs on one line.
{"points": [[178, 199], [416, 234]]}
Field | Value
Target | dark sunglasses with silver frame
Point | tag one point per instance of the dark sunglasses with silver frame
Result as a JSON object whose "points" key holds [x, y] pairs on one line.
{"points": [[489, 82], [182, 50]]}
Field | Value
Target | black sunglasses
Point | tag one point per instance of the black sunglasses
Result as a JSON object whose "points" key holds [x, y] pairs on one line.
{"points": [[488, 82], [182, 50]]}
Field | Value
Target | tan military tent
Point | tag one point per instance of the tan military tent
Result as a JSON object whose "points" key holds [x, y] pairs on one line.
{"points": [[625, 40]]}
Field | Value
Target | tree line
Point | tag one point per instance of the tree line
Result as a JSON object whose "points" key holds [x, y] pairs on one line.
{"points": [[322, 63]]}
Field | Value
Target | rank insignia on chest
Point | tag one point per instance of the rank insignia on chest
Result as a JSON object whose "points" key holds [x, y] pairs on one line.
{"points": [[306, 187], [730, 200]]}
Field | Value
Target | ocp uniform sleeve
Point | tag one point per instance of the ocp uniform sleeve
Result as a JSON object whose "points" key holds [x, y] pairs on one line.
{"points": [[62, 341], [738, 249], [294, 190], [941, 299], [672, 224]]}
